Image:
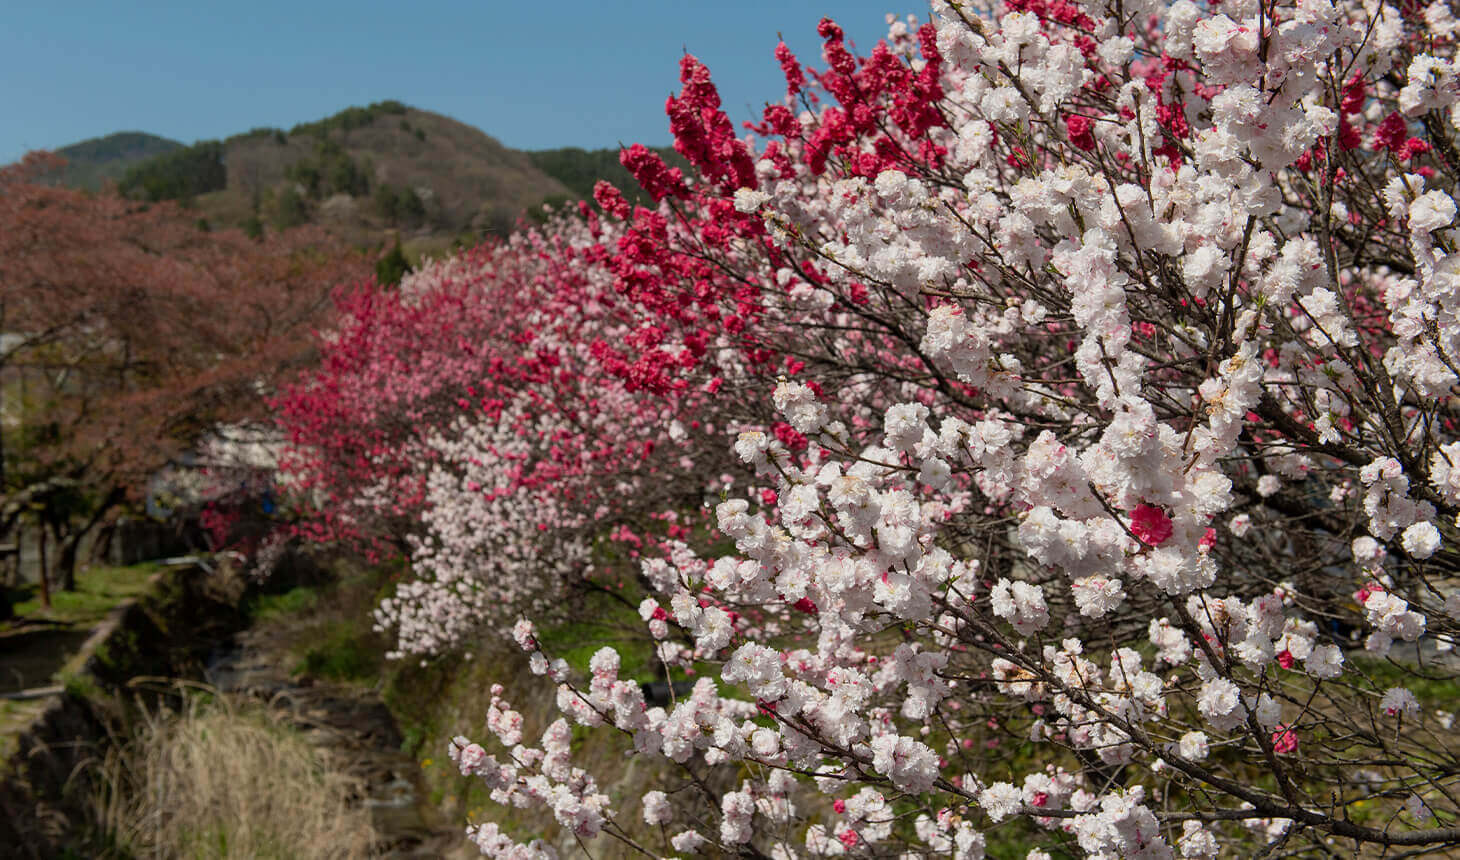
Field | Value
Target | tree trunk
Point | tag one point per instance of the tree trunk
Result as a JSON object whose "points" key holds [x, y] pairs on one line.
{"points": [[101, 550], [45, 578], [71, 544], [66, 556]]}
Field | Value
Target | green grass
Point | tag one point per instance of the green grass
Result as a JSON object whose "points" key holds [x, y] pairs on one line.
{"points": [[15, 716], [296, 600], [343, 652], [326, 627], [1432, 692], [99, 590], [602, 621], [80, 684]]}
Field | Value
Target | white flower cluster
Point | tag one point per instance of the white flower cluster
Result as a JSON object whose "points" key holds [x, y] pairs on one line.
{"points": [[1109, 349]]}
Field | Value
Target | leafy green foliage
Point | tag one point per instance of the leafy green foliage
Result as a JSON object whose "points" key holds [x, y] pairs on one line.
{"points": [[277, 134], [115, 147], [344, 652], [265, 607], [580, 170], [331, 171], [602, 621], [350, 118], [290, 209], [550, 204], [179, 175], [90, 163], [401, 207], [392, 267]]}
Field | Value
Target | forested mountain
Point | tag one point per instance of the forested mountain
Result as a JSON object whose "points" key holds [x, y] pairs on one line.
{"points": [[363, 173], [91, 163]]}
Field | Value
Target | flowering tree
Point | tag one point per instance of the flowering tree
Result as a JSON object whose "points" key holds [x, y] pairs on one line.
{"points": [[1102, 492], [127, 332], [466, 420]]}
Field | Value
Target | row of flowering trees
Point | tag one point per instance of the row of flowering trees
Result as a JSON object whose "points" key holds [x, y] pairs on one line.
{"points": [[1084, 372]]}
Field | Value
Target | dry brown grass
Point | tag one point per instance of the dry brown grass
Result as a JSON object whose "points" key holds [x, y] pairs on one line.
{"points": [[219, 779]]}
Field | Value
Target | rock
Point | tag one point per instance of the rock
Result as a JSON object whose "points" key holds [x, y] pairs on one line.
{"points": [[353, 723]]}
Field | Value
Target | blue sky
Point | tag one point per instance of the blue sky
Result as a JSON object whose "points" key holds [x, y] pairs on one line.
{"points": [[534, 75]]}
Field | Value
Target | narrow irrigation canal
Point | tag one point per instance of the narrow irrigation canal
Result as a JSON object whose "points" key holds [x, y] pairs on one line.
{"points": [[83, 698]]}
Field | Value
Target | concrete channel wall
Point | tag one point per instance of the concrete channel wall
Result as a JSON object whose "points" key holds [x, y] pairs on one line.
{"points": [[49, 777]]}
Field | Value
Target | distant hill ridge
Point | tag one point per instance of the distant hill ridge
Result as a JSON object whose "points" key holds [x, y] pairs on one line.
{"points": [[364, 172], [91, 163]]}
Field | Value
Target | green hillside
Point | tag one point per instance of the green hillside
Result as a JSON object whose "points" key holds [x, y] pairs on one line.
{"points": [[580, 169], [91, 163], [366, 173]]}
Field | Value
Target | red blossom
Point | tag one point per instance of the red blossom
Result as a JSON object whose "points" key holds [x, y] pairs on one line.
{"points": [[795, 77], [1348, 136], [1353, 95], [1080, 131], [1150, 524], [1391, 134], [1284, 740]]}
